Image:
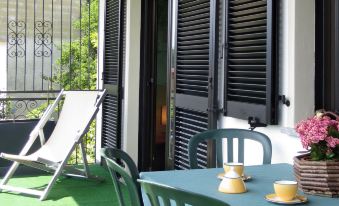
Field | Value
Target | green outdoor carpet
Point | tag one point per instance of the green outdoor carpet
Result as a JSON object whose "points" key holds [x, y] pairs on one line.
{"points": [[66, 191]]}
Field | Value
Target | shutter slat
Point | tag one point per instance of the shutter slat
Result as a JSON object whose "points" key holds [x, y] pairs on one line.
{"points": [[113, 51], [191, 57], [250, 71], [192, 71], [192, 38], [188, 123], [247, 38]]}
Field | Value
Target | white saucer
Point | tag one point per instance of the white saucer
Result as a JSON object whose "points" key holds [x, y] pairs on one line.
{"points": [[297, 200], [244, 177]]}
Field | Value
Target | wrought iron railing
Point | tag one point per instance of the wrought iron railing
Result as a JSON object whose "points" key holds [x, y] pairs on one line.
{"points": [[49, 45], [17, 105]]}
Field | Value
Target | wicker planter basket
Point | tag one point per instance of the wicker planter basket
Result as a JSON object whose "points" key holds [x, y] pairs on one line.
{"points": [[317, 177]]}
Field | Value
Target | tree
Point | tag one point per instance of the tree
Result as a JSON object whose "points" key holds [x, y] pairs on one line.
{"points": [[77, 67]]}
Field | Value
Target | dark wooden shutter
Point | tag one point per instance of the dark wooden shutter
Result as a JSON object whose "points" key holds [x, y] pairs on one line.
{"points": [[194, 76], [112, 73], [250, 54]]}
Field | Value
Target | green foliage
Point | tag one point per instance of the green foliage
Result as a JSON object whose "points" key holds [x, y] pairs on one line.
{"points": [[5, 109], [336, 153], [332, 131], [76, 69], [36, 113], [318, 151]]}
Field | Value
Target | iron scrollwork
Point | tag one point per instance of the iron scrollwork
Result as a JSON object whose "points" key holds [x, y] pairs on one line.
{"points": [[18, 109], [16, 39], [23, 108], [43, 38]]}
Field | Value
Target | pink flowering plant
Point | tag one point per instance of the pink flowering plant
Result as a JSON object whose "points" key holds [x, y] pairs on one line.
{"points": [[320, 135]]}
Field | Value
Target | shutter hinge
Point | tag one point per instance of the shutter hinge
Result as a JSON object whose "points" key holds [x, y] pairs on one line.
{"points": [[254, 123], [284, 100]]}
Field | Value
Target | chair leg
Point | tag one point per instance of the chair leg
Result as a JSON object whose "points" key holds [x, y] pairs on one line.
{"points": [[84, 159], [86, 168], [10, 173], [51, 183], [82, 173]]}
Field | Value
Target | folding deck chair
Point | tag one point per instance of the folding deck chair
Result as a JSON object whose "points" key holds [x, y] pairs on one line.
{"points": [[78, 111]]}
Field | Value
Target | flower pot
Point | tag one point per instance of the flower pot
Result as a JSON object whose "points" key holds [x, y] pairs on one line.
{"points": [[317, 177]]}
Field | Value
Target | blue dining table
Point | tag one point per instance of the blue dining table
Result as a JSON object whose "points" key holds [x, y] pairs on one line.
{"points": [[205, 181]]}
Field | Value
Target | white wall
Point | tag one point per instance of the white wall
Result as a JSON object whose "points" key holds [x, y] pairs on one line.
{"points": [[297, 46], [101, 46], [130, 117], [132, 75]]}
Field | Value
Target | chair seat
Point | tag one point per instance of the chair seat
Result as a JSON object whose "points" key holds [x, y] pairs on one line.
{"points": [[78, 111], [28, 158], [17, 158]]}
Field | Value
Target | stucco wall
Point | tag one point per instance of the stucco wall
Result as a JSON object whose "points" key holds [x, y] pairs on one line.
{"points": [[297, 46], [132, 73]]}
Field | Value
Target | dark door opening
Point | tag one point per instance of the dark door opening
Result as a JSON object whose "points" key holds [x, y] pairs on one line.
{"points": [[327, 52], [153, 109]]}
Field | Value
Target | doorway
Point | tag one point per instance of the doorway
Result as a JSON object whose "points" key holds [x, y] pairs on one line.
{"points": [[327, 52], [153, 109]]}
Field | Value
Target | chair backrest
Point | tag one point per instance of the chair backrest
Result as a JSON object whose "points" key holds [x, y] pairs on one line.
{"points": [[160, 194], [78, 110], [229, 134], [112, 157]]}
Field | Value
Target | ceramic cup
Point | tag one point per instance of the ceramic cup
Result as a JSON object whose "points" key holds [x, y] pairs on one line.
{"points": [[232, 183], [285, 190], [238, 167]]}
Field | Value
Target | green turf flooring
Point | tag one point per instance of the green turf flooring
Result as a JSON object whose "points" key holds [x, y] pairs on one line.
{"points": [[66, 191]]}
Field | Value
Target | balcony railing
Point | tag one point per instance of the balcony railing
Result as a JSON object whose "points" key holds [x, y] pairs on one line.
{"points": [[46, 46]]}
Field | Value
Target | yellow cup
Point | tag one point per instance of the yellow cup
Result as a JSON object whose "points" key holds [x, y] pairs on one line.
{"points": [[238, 167], [285, 190], [232, 185]]}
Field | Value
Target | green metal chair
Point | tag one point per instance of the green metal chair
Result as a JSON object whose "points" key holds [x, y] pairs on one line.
{"points": [[121, 179], [229, 134], [168, 195]]}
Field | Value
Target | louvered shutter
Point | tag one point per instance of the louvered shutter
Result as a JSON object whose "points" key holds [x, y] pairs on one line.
{"points": [[112, 73], [251, 69], [193, 76]]}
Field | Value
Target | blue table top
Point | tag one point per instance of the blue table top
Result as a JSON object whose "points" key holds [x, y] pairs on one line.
{"points": [[205, 181]]}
